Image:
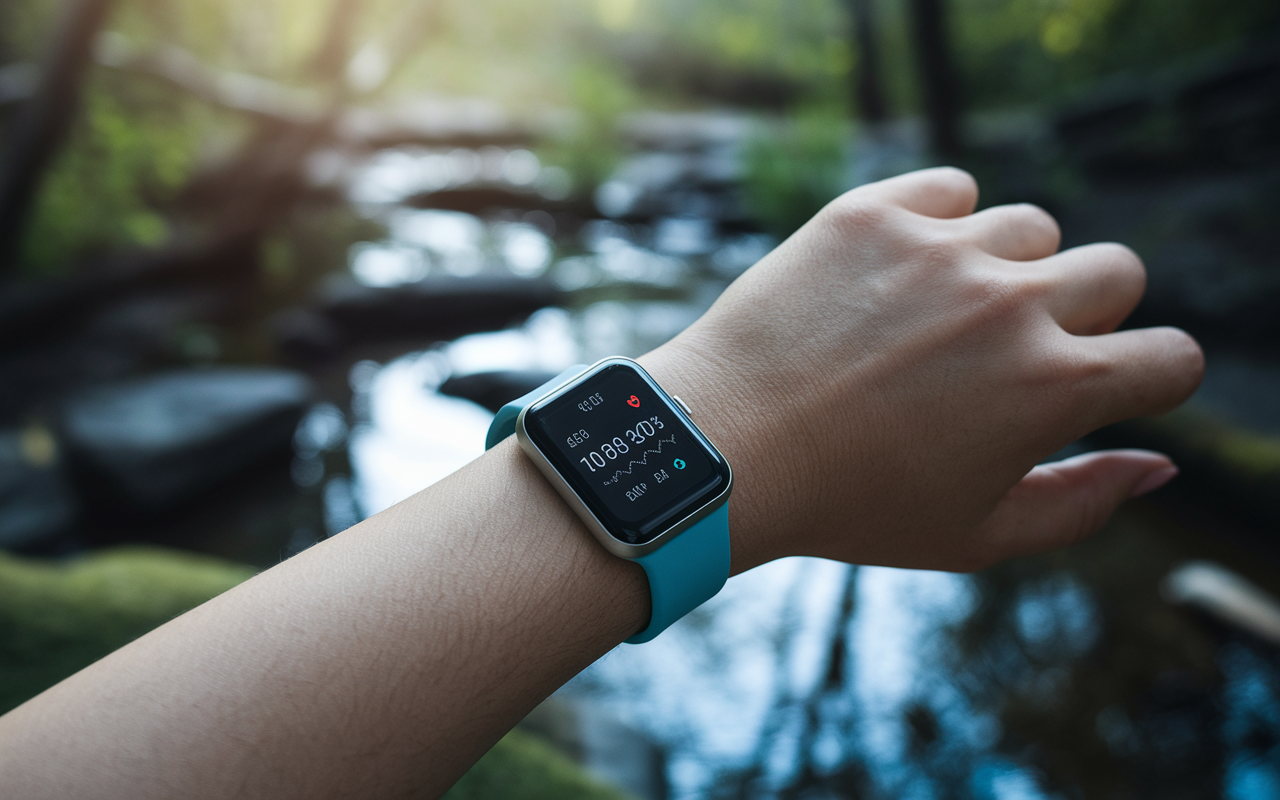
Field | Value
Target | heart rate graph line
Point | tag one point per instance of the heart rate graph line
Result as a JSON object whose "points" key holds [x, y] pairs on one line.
{"points": [[644, 460]]}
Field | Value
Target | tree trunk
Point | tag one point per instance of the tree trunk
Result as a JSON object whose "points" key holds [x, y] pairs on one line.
{"points": [[938, 76], [868, 85], [45, 119]]}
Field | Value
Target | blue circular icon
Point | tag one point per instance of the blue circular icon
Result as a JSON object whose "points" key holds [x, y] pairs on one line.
{"points": [[678, 464]]}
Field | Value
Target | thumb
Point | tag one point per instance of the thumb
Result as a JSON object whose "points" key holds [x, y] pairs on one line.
{"points": [[1065, 502]]}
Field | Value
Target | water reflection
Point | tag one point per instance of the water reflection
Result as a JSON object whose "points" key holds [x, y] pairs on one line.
{"points": [[391, 176], [451, 242], [879, 682], [410, 436], [1069, 675], [382, 265], [452, 238], [526, 250]]}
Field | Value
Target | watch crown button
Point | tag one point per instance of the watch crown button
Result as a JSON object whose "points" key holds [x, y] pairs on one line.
{"points": [[683, 406]]}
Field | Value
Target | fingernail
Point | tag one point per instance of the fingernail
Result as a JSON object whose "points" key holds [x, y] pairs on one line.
{"points": [[1153, 481]]}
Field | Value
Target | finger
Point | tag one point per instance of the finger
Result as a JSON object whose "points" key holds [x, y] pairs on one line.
{"points": [[1020, 232], [1138, 373], [1063, 503], [1094, 287], [942, 192]]}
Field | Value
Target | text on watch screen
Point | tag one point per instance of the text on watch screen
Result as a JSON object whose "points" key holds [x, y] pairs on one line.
{"points": [[627, 448]]}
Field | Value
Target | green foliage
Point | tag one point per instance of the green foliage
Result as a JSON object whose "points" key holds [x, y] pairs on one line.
{"points": [[802, 40], [23, 29], [56, 619], [126, 155], [136, 142], [525, 54], [795, 168], [271, 39], [522, 767], [1249, 456], [600, 95], [1025, 51]]}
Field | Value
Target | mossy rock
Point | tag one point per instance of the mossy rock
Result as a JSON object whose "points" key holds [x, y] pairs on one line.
{"points": [[1232, 468], [523, 767], [59, 617]]}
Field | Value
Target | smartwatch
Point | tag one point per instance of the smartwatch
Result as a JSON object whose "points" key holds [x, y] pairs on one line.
{"points": [[629, 460]]}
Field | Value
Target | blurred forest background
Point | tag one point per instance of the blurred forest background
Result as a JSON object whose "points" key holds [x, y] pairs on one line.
{"points": [[170, 90], [264, 265]]}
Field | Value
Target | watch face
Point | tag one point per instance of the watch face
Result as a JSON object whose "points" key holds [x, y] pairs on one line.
{"points": [[627, 453]]}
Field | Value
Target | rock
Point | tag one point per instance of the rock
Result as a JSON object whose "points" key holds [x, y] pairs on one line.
{"points": [[482, 200], [437, 308], [611, 751], [523, 767], [493, 390], [306, 336], [60, 617], [441, 122], [36, 505], [164, 438]]}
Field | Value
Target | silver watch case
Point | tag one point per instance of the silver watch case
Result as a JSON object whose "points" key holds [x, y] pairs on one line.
{"points": [[612, 544]]}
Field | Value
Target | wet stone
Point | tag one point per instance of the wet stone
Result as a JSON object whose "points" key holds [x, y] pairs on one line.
{"points": [[163, 438], [493, 390], [306, 336], [612, 751], [435, 308]]}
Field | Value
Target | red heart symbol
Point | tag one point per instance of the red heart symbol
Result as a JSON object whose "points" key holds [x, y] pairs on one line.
{"points": [[634, 402]]}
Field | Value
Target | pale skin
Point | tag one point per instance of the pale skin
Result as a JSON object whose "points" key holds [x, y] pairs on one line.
{"points": [[883, 384]]}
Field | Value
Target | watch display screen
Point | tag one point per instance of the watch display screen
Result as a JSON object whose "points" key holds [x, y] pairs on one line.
{"points": [[627, 453]]}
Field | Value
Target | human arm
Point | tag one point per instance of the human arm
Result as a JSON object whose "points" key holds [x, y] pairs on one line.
{"points": [[881, 384]]}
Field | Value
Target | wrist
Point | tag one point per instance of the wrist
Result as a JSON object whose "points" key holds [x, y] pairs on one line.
{"points": [[566, 551], [726, 407]]}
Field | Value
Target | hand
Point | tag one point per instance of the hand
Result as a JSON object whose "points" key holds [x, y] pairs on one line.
{"points": [[884, 382]]}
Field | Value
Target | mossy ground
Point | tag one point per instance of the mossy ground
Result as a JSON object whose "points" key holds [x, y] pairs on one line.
{"points": [[523, 767], [56, 618]]}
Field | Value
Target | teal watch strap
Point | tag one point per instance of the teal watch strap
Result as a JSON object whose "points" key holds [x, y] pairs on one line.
{"points": [[686, 571], [504, 424]]}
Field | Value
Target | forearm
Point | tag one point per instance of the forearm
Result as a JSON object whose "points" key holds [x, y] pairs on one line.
{"points": [[382, 662]]}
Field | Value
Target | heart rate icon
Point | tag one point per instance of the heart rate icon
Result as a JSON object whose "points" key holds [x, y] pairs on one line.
{"points": [[634, 402]]}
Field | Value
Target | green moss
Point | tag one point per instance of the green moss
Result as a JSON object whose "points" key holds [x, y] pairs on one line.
{"points": [[58, 618], [522, 767], [1252, 454], [1247, 454], [129, 151]]}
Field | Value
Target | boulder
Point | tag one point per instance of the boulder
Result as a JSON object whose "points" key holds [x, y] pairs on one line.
{"points": [[437, 308], [493, 390], [613, 752], [160, 439], [60, 617], [524, 767]]}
